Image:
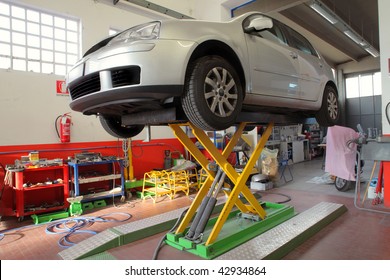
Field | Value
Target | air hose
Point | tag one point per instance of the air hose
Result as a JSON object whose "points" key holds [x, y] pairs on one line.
{"points": [[75, 225], [161, 242]]}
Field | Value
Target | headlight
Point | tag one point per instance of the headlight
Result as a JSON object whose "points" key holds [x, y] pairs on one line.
{"points": [[147, 31]]}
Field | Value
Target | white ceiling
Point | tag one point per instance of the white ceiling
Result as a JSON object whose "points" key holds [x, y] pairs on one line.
{"points": [[359, 15], [341, 52]]}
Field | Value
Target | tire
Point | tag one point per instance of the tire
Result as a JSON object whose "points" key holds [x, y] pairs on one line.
{"points": [[213, 94], [343, 185], [113, 127], [329, 113]]}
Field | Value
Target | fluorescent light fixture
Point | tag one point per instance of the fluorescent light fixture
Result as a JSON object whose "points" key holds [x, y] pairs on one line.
{"points": [[325, 14], [340, 25], [357, 39], [371, 50]]}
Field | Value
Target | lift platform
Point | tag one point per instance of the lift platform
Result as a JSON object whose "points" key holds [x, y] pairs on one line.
{"points": [[242, 216], [237, 226]]}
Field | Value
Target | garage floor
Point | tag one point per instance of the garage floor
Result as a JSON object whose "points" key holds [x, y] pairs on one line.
{"points": [[356, 235]]}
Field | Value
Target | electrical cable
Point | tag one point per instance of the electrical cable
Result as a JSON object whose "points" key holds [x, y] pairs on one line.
{"points": [[160, 244], [288, 198], [387, 112], [3, 233], [56, 126], [152, 144], [283, 201], [3, 181]]}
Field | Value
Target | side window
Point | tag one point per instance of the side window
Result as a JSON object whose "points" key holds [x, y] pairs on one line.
{"points": [[301, 43], [274, 34]]}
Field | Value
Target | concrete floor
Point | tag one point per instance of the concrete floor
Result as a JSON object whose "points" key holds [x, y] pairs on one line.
{"points": [[356, 235]]}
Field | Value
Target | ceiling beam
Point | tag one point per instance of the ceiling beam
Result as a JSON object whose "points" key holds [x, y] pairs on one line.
{"points": [[271, 6], [156, 8]]}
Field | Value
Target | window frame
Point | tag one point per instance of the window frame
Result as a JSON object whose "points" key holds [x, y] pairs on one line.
{"points": [[292, 35], [288, 34], [374, 88], [43, 41]]}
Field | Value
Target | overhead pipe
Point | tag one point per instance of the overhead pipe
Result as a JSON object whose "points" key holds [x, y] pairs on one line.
{"points": [[156, 8]]}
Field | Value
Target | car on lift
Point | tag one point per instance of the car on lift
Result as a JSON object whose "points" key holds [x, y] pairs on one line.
{"points": [[206, 72]]}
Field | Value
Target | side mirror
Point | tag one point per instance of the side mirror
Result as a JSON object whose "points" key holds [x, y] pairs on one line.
{"points": [[259, 23]]}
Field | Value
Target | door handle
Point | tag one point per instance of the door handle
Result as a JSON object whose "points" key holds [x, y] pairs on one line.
{"points": [[294, 55]]}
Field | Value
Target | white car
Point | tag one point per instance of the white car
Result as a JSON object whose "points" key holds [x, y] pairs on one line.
{"points": [[205, 72]]}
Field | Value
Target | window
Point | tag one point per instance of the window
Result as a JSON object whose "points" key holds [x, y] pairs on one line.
{"points": [[37, 41], [301, 43], [377, 83], [362, 85], [274, 34], [352, 87]]}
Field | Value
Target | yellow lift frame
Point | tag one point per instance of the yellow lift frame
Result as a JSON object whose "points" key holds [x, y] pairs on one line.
{"points": [[238, 179]]}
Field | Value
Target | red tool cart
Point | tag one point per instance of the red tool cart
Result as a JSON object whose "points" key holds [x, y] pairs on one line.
{"points": [[40, 190]]}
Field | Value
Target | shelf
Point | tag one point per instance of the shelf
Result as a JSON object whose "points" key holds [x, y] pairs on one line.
{"points": [[99, 178], [93, 196], [39, 211], [26, 189], [41, 169]]}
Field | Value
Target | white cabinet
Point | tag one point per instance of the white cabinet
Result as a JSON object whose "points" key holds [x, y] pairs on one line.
{"points": [[297, 150], [293, 151]]}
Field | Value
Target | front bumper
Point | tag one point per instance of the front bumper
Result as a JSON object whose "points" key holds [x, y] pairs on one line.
{"points": [[129, 75]]}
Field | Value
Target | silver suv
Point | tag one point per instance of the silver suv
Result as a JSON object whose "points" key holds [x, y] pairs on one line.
{"points": [[205, 72]]}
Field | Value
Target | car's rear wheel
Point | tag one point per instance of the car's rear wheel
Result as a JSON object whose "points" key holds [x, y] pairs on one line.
{"points": [[213, 95], [113, 127], [329, 113]]}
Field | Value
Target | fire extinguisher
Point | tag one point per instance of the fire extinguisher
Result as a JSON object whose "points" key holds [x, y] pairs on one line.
{"points": [[64, 122]]}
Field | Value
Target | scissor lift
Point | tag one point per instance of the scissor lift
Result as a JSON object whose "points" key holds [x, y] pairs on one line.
{"points": [[242, 217]]}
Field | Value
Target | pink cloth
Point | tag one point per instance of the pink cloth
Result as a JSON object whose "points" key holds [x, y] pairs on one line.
{"points": [[340, 159]]}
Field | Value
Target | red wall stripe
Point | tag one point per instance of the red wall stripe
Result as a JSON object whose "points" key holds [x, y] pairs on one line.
{"points": [[146, 155]]}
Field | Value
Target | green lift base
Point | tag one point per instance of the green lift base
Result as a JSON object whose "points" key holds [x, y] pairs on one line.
{"points": [[272, 244], [48, 217], [238, 229]]}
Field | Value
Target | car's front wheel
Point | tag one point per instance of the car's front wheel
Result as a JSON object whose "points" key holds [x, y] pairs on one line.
{"points": [[213, 96], [113, 127], [329, 113]]}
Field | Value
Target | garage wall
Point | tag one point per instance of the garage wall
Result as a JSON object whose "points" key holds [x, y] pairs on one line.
{"points": [[384, 22], [367, 64], [28, 101], [29, 104]]}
